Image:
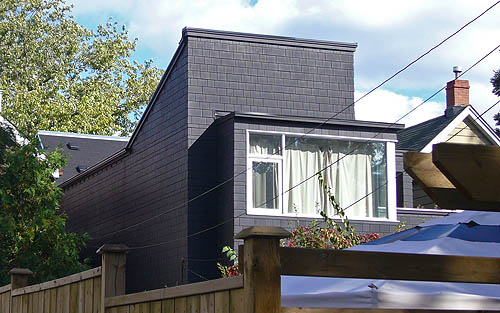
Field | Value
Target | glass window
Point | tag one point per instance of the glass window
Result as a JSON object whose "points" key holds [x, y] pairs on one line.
{"points": [[355, 172], [265, 144], [265, 185]]}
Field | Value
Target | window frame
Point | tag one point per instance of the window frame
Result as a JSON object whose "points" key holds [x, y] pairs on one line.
{"points": [[281, 211]]}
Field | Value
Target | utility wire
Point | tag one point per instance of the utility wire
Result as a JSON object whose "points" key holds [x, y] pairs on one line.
{"points": [[480, 116], [310, 131], [318, 172]]}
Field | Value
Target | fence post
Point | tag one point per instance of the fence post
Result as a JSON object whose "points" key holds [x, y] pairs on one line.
{"points": [[112, 271], [19, 278], [262, 268]]}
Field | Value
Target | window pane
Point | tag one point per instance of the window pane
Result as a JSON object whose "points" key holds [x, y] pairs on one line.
{"points": [[265, 144], [265, 185], [354, 172]]}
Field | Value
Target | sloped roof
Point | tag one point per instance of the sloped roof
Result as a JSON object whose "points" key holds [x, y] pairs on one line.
{"points": [[86, 151], [416, 137]]}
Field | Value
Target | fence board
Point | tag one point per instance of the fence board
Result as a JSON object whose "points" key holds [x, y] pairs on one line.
{"points": [[89, 297], [180, 305], [30, 303], [207, 303], [81, 297], [25, 299], [168, 306], [382, 265], [222, 302], [193, 304], [73, 296], [237, 300], [97, 295], [15, 304], [46, 301], [123, 309], [5, 302], [156, 307], [53, 300]]}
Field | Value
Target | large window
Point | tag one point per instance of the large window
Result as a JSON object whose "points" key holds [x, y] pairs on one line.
{"points": [[284, 180]]}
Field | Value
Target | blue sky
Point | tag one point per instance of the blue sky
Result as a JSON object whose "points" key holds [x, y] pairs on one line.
{"points": [[389, 33]]}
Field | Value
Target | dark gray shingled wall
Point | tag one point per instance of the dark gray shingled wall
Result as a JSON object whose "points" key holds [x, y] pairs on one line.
{"points": [[233, 72], [151, 180]]}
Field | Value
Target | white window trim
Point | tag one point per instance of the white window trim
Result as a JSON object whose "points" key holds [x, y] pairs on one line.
{"points": [[391, 176]]}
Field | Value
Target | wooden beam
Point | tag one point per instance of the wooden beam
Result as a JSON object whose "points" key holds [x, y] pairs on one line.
{"points": [[473, 169], [420, 167], [383, 265], [438, 187]]}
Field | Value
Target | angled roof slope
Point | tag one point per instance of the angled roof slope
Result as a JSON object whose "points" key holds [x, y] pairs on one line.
{"points": [[83, 151], [416, 137]]}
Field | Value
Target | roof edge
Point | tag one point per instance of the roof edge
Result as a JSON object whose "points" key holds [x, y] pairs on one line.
{"points": [[76, 135], [268, 39], [157, 91], [94, 168], [343, 122]]}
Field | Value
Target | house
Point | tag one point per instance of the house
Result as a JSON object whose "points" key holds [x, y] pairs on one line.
{"points": [[460, 123], [82, 150], [233, 137]]}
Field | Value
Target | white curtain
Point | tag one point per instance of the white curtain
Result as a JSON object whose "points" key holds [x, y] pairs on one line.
{"points": [[265, 144], [349, 178], [265, 185]]}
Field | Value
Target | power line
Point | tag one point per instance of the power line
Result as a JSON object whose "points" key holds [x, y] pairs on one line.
{"points": [[310, 131], [480, 116]]}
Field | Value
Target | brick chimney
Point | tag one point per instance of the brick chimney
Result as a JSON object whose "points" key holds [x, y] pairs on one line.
{"points": [[457, 93]]}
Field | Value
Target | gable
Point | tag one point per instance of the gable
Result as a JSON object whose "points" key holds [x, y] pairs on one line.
{"points": [[468, 132], [467, 127]]}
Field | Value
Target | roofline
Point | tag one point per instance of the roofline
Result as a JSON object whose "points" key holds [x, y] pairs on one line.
{"points": [[96, 167], [236, 36], [156, 93], [314, 120], [467, 111], [487, 126], [268, 39], [76, 135]]}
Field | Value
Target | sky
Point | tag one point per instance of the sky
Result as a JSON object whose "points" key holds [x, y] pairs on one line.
{"points": [[389, 33]]}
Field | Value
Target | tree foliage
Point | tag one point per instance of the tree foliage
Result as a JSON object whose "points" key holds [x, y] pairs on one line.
{"points": [[495, 81], [32, 230], [58, 75]]}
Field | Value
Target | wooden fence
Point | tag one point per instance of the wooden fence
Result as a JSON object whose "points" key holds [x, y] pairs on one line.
{"points": [[220, 295], [76, 293], [258, 290]]}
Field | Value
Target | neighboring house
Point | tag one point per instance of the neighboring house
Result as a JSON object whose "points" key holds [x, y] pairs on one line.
{"points": [[460, 123], [82, 151], [277, 106]]}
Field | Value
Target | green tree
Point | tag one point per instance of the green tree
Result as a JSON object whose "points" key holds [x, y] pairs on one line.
{"points": [[32, 230], [58, 75], [495, 81]]}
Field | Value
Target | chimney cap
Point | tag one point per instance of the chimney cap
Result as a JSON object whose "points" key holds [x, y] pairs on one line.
{"points": [[457, 70]]}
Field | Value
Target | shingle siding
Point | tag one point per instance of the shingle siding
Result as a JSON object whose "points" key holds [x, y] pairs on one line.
{"points": [[240, 164], [151, 180], [237, 76]]}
